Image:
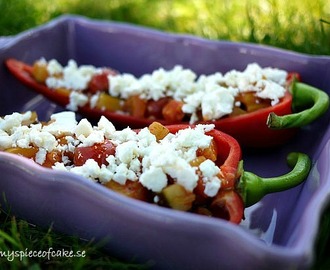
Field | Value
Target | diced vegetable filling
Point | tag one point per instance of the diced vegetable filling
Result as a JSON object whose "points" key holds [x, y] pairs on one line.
{"points": [[174, 95], [177, 170]]}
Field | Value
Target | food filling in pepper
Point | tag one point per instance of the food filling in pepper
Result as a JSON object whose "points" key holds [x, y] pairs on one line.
{"points": [[259, 107], [173, 95], [189, 168]]}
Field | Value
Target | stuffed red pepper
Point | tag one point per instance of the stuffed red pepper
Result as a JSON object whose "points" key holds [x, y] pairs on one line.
{"points": [[248, 104], [189, 168]]}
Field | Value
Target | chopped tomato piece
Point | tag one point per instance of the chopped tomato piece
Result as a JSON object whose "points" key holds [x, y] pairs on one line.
{"points": [[250, 102], [100, 81], [201, 197], [51, 158], [132, 189], [210, 152], [155, 108], [135, 106], [25, 152], [98, 152], [172, 111]]}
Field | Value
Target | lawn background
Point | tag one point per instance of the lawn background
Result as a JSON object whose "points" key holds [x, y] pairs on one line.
{"points": [[297, 25]]}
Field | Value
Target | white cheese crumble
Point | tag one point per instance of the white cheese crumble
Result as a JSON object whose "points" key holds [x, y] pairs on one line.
{"points": [[73, 77], [154, 178], [62, 123], [14, 120], [138, 155], [41, 156], [76, 100], [210, 171], [213, 95]]}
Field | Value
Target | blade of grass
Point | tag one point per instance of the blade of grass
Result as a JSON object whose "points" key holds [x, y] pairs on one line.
{"points": [[22, 237]]}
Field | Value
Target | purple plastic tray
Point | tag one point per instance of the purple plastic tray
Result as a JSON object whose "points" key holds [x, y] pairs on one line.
{"points": [[278, 233]]}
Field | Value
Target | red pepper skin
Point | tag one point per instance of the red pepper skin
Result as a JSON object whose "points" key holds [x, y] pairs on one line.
{"points": [[229, 154], [228, 205], [23, 73], [249, 129], [228, 202]]}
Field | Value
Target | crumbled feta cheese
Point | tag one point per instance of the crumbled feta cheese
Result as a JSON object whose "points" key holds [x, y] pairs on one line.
{"points": [[41, 156], [122, 173], [135, 166], [212, 187], [154, 179], [62, 123], [84, 128], [106, 126], [170, 156], [213, 95], [138, 156], [122, 85], [43, 139], [145, 138], [13, 120], [74, 77], [209, 169], [97, 136], [89, 170], [94, 99], [105, 175], [127, 151], [270, 90], [184, 174], [5, 140], [77, 100], [60, 167], [193, 137], [124, 135], [217, 103], [53, 67], [275, 75], [22, 137]]}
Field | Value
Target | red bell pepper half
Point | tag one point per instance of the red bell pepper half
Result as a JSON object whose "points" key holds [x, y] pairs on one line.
{"points": [[242, 189], [266, 127], [238, 189]]}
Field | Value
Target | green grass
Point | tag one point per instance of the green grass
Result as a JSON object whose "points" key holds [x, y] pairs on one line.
{"points": [[19, 239], [296, 25]]}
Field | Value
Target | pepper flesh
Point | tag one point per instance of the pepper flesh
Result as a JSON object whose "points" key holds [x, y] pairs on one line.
{"points": [[229, 156], [256, 129], [250, 187]]}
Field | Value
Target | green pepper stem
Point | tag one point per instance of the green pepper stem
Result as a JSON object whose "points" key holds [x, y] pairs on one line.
{"points": [[312, 101], [253, 188]]}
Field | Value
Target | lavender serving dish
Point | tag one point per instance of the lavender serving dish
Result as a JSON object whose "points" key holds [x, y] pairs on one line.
{"points": [[278, 233]]}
